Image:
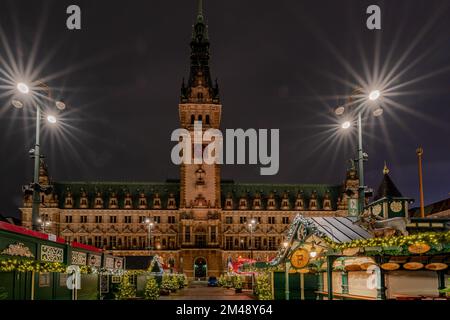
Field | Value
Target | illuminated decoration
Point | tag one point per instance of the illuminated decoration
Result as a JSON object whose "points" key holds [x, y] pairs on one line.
{"points": [[436, 266], [28, 265], [351, 251], [304, 271], [18, 249], [396, 206], [52, 254], [376, 210], [413, 265], [390, 266], [419, 248], [438, 240], [300, 258]]}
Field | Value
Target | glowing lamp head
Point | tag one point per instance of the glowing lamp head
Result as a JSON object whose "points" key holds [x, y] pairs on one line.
{"points": [[374, 95], [346, 125], [339, 110], [51, 119], [285, 244], [60, 105], [378, 112], [313, 254], [23, 88], [253, 221], [147, 220], [17, 104]]}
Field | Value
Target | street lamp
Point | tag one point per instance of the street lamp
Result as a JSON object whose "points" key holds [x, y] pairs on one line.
{"points": [[340, 110], [24, 89], [150, 224], [44, 223], [252, 225]]}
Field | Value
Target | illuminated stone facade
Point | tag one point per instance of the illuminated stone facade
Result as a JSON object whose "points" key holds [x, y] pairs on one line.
{"points": [[198, 217]]}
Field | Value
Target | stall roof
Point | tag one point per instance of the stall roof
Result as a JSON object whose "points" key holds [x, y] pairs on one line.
{"points": [[341, 229]]}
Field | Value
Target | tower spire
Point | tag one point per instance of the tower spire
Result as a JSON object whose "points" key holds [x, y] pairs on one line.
{"points": [[200, 7], [385, 169]]}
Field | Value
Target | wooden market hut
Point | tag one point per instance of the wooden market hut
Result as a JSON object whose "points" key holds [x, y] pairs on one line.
{"points": [[33, 266]]}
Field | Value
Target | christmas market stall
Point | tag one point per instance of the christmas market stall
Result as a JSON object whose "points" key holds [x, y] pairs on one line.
{"points": [[297, 271], [40, 266]]}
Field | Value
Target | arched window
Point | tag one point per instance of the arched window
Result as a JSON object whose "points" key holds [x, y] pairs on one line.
{"points": [[192, 119], [200, 96], [207, 119], [200, 118]]}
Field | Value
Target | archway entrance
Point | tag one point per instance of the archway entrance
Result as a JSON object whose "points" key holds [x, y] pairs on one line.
{"points": [[200, 268]]}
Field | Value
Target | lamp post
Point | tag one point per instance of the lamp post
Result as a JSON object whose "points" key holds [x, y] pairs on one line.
{"points": [[150, 224], [251, 226], [24, 89], [373, 96], [287, 266]]}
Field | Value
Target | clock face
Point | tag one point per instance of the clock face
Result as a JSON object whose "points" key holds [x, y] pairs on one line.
{"points": [[396, 206], [376, 209]]}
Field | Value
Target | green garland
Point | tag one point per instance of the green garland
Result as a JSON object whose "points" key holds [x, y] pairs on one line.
{"points": [[28, 265], [438, 241]]}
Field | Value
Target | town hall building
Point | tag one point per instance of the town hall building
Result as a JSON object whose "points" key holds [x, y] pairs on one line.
{"points": [[199, 222]]}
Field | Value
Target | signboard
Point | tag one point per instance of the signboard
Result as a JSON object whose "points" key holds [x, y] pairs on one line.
{"points": [[95, 260], [104, 283], [118, 263], [353, 207], [300, 258], [52, 254], [79, 258], [109, 262]]}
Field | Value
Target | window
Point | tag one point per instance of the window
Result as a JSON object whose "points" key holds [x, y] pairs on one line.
{"points": [[98, 241], [127, 219], [83, 219], [83, 239], [243, 220], [98, 219], [213, 234], [271, 220], [207, 119], [200, 240], [257, 243], [128, 202], [192, 119], [171, 219], [228, 243], [68, 219], [200, 118], [258, 219], [228, 204], [142, 219], [83, 202], [112, 241], [200, 96], [112, 219], [272, 243], [229, 220], [187, 234], [285, 220], [157, 219]]}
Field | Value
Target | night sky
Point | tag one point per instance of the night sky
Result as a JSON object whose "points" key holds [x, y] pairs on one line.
{"points": [[280, 64]]}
